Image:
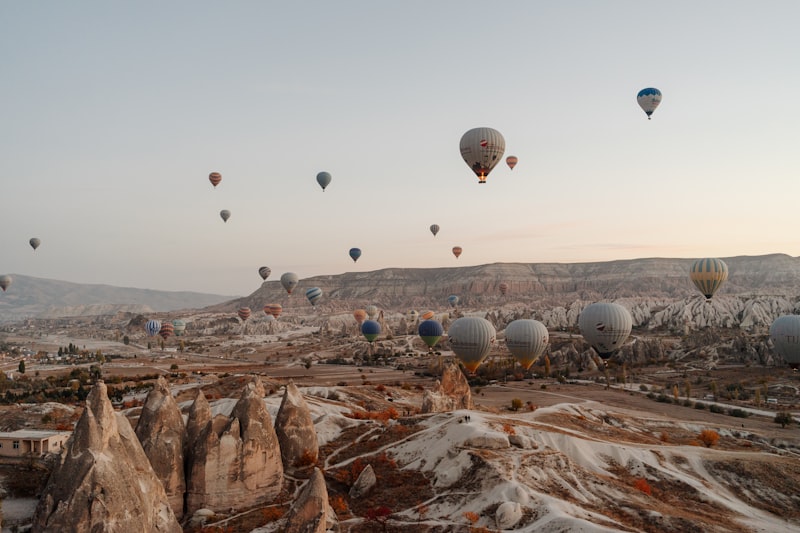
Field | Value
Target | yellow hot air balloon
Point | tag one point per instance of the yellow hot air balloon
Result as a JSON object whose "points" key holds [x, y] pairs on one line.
{"points": [[708, 275]]}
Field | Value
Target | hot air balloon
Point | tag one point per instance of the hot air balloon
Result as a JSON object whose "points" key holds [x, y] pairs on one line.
{"points": [[482, 149], [503, 288], [264, 272], [452, 300], [360, 315], [273, 310], [225, 214], [430, 331], [434, 229], [314, 294], [244, 313], [34, 242], [427, 315], [372, 311], [471, 338], [179, 326], [457, 251], [412, 315], [152, 327], [5, 281], [605, 326], [167, 329], [215, 178], [708, 275], [785, 335], [324, 179], [289, 280], [512, 161], [370, 329], [648, 100], [526, 340], [355, 253]]}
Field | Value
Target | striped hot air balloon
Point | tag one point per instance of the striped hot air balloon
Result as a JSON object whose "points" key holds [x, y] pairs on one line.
{"points": [[244, 313], [372, 311], [215, 178], [152, 327], [314, 294], [264, 272], [434, 229], [605, 326], [273, 310], [526, 339], [471, 339], [179, 326], [503, 288], [166, 330], [708, 275]]}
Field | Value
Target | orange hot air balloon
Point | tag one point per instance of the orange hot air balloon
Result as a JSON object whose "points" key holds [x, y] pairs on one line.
{"points": [[215, 178], [511, 161], [273, 309], [457, 251], [360, 315], [244, 313], [427, 315], [166, 330]]}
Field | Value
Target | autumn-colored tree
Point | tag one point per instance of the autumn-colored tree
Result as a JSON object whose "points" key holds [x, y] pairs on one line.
{"points": [[642, 485], [757, 398], [687, 389], [379, 515], [422, 511], [675, 392], [708, 437], [546, 366], [516, 404]]}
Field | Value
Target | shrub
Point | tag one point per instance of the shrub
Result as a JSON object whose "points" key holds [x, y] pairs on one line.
{"points": [[699, 405], [739, 413], [642, 485], [643, 387], [708, 437], [380, 387], [664, 437], [714, 408], [516, 404], [784, 418], [509, 429]]}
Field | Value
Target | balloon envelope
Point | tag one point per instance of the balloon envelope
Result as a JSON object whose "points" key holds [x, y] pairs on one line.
{"points": [[503, 288], [167, 329], [324, 179], [372, 311], [434, 229], [360, 315], [273, 310], [785, 335], [370, 329], [526, 340], [355, 253], [708, 275], [512, 161], [179, 326], [152, 327], [430, 331], [457, 251], [452, 300], [215, 178], [427, 315], [264, 272], [5, 281], [314, 294], [648, 100], [34, 242], [481, 149], [605, 326], [412, 315], [289, 281], [244, 313], [471, 339], [225, 215]]}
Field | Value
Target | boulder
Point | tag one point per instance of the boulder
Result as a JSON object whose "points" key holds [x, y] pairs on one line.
{"points": [[508, 514], [364, 484], [294, 428], [311, 513], [450, 393]]}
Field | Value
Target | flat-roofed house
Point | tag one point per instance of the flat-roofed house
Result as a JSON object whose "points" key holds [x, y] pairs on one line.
{"points": [[36, 442]]}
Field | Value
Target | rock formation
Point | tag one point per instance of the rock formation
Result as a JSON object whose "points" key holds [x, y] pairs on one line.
{"points": [[295, 430], [104, 482], [235, 461], [364, 484], [163, 436], [450, 393], [311, 513]]}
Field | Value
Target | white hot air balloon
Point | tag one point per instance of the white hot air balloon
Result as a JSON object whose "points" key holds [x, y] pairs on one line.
{"points": [[471, 339], [482, 149], [605, 326], [785, 335], [526, 340], [648, 99]]}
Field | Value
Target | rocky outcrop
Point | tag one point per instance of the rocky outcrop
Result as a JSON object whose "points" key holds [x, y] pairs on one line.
{"points": [[163, 437], [294, 428], [235, 461], [104, 482], [311, 513], [450, 393], [364, 483]]}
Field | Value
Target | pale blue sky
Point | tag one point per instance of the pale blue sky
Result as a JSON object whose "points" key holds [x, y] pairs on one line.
{"points": [[113, 114]]}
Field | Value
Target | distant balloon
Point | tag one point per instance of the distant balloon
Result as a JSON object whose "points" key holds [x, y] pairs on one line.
{"points": [[434, 229], [427, 315], [360, 315], [324, 179], [225, 214], [355, 253], [605, 326], [526, 340], [179, 326], [430, 331], [166, 330], [152, 327], [5, 281], [370, 329], [372, 311], [708, 275], [215, 178], [314, 294], [648, 100], [244, 313], [264, 272], [34, 242], [512, 161], [481, 149], [289, 280], [785, 335], [457, 251], [412, 315], [452, 300], [471, 339], [273, 310], [503, 288]]}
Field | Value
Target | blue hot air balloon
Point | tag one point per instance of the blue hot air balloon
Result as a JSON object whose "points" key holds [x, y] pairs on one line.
{"points": [[452, 300], [648, 100], [355, 253], [430, 331], [314, 294], [152, 327], [324, 179], [370, 329]]}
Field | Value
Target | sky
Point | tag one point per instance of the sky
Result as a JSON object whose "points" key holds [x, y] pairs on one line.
{"points": [[114, 113]]}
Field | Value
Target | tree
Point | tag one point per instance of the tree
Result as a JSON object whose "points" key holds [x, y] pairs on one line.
{"points": [[708, 437], [21, 367], [675, 393], [546, 366], [758, 398], [687, 388], [126, 340], [783, 418]]}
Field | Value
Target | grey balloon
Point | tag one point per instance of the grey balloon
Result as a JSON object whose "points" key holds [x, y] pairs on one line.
{"points": [[225, 214], [471, 339], [785, 335], [605, 326], [526, 339]]}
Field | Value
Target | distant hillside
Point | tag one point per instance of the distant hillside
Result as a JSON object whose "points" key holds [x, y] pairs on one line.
{"points": [[35, 297], [545, 284]]}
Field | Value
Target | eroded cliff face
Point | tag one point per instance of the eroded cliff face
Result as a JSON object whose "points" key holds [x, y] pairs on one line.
{"points": [[104, 481], [451, 392], [295, 430]]}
